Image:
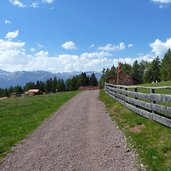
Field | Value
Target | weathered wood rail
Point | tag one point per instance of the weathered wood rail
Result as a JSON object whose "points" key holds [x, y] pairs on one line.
{"points": [[143, 103]]}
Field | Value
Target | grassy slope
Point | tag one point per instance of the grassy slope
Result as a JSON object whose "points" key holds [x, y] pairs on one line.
{"points": [[20, 116], [167, 83], [153, 141], [159, 91]]}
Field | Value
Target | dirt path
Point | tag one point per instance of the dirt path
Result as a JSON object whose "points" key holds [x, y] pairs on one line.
{"points": [[79, 137]]}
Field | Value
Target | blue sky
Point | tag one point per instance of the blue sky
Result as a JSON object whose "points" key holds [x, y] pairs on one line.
{"points": [[75, 35]]}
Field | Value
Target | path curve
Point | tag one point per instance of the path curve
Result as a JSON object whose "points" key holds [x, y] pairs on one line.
{"points": [[79, 137]]}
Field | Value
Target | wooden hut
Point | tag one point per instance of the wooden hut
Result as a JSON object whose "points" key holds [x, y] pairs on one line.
{"points": [[122, 79]]}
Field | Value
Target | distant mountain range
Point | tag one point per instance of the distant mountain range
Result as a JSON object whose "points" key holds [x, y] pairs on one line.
{"points": [[8, 79]]}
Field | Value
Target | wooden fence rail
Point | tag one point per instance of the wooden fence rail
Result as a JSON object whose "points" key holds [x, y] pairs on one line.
{"points": [[143, 103]]}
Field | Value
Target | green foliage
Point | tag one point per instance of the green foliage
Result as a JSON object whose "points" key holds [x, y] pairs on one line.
{"points": [[126, 68], [152, 140], [20, 116], [166, 66], [106, 73], [135, 69], [81, 80], [93, 80], [29, 85], [153, 71], [142, 67], [138, 70], [72, 84]]}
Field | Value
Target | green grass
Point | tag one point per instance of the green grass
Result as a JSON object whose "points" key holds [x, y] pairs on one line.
{"points": [[159, 91], [20, 116], [152, 142], [166, 83]]}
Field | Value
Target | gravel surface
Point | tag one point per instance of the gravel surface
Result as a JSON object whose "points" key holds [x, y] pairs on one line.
{"points": [[79, 137]]}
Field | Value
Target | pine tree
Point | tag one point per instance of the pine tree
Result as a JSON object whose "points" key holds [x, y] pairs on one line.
{"points": [[166, 66], [135, 70], [152, 72], [93, 80]]}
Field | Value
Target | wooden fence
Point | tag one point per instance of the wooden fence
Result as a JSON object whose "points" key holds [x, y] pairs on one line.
{"points": [[143, 103]]}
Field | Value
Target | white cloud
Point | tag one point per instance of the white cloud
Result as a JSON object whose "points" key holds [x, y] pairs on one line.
{"points": [[31, 3], [39, 45], [92, 46], [69, 45], [48, 1], [8, 22], [12, 35], [91, 55], [18, 3], [12, 53], [32, 49], [130, 45], [112, 47], [34, 4], [14, 56], [42, 54], [159, 47], [8, 45], [162, 1]]}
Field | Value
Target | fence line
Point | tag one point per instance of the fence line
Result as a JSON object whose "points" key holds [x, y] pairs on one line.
{"points": [[143, 103]]}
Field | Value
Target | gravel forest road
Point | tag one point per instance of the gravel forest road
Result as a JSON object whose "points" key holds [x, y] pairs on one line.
{"points": [[78, 137]]}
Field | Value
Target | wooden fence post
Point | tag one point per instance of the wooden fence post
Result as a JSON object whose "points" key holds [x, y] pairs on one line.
{"points": [[126, 90], [136, 91], [121, 89], [126, 94], [152, 91]]}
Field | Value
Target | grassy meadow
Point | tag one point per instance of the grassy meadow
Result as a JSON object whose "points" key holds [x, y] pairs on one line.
{"points": [[159, 91], [151, 140], [20, 116]]}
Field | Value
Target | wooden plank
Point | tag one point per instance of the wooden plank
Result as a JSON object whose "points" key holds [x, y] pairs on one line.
{"points": [[164, 98], [153, 116], [145, 87], [160, 119], [153, 107]]}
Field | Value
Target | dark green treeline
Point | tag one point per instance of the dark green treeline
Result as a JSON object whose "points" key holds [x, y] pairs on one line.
{"points": [[53, 85]]}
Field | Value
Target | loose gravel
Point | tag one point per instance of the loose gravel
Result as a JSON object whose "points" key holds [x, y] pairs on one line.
{"points": [[78, 137]]}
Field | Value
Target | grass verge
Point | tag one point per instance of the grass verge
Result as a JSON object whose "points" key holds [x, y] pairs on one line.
{"points": [[20, 116], [151, 140]]}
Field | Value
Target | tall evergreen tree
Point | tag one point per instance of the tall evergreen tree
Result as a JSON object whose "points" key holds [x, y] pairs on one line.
{"points": [[126, 68], [49, 85], [93, 80], [29, 85], [83, 79], [152, 72], [135, 70], [166, 66]]}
